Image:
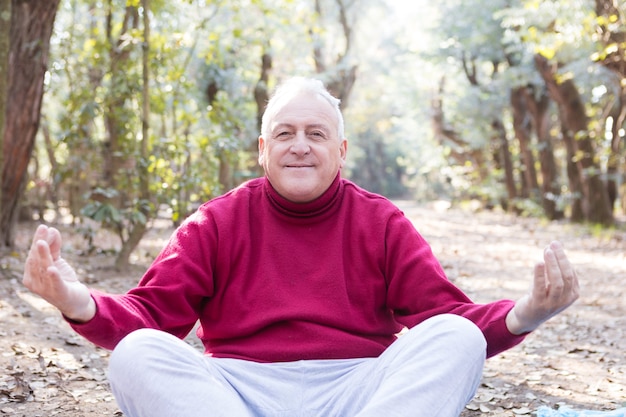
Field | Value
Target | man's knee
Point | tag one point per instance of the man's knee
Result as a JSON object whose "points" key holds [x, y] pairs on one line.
{"points": [[459, 328], [450, 332], [135, 343], [134, 351]]}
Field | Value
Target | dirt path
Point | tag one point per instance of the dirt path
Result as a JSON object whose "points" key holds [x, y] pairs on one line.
{"points": [[578, 358]]}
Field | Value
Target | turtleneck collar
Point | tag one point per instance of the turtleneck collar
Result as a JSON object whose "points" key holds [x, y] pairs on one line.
{"points": [[320, 205]]}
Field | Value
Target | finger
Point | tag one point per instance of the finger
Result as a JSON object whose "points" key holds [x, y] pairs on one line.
{"points": [[43, 250], [53, 274], [54, 242], [33, 260], [37, 263], [567, 270], [40, 261], [539, 282], [553, 274], [40, 233]]}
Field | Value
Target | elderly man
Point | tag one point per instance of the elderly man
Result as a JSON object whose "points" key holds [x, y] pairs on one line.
{"points": [[301, 282]]}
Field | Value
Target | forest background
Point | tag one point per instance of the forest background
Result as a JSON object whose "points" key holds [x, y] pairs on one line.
{"points": [[124, 111], [118, 118]]}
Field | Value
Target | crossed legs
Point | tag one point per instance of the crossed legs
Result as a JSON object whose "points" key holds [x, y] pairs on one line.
{"points": [[431, 371]]}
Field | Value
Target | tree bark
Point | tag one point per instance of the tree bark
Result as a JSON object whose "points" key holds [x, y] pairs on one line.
{"points": [[574, 175], [504, 161], [261, 97], [5, 26], [613, 165], [575, 123], [613, 37], [342, 76], [501, 151], [54, 167], [31, 28], [550, 189], [523, 129], [460, 150]]}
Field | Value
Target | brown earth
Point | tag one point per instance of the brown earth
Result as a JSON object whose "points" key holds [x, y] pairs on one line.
{"points": [[578, 358]]}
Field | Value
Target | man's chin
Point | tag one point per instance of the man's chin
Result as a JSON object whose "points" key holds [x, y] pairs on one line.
{"points": [[300, 194]]}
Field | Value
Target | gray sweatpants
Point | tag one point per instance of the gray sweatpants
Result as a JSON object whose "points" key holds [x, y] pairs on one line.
{"points": [[433, 370]]}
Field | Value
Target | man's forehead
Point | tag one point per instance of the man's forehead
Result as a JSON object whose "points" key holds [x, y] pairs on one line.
{"points": [[305, 105], [291, 125]]}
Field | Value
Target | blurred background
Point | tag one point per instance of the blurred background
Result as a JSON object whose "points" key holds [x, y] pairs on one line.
{"points": [[117, 113]]}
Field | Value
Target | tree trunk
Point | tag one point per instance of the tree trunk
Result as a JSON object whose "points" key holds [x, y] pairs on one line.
{"points": [[54, 168], [261, 93], [523, 127], [615, 156], [460, 150], [261, 97], [574, 175], [342, 76], [5, 26], [31, 29], [572, 110], [225, 170], [550, 189], [113, 153], [613, 37], [503, 160], [137, 229]]}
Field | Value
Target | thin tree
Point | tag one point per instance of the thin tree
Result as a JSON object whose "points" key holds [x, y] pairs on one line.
{"points": [[538, 104], [138, 228], [30, 31], [341, 74], [612, 38], [5, 25]]}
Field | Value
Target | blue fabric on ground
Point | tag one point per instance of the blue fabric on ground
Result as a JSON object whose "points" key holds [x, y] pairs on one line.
{"points": [[568, 412]]}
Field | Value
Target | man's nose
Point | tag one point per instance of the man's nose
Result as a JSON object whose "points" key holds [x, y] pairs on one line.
{"points": [[300, 144]]}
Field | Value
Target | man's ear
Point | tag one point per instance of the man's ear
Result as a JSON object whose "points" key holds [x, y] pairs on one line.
{"points": [[261, 150], [343, 151]]}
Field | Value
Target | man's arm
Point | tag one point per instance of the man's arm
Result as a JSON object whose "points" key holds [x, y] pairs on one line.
{"points": [[52, 278], [555, 287]]}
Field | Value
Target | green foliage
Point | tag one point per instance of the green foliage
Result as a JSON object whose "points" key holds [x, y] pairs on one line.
{"points": [[102, 210], [104, 213], [472, 28], [491, 46], [555, 29], [204, 65]]}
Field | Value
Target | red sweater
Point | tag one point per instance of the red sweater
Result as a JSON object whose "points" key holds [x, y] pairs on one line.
{"points": [[272, 280]]}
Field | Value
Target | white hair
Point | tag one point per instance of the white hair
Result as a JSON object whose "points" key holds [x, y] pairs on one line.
{"points": [[291, 88]]}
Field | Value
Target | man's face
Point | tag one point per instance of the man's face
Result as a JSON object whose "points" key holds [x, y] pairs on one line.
{"points": [[303, 153]]}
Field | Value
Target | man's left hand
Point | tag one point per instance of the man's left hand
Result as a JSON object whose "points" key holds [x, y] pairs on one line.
{"points": [[555, 287]]}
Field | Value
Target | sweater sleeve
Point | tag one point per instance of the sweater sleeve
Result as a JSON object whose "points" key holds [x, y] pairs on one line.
{"points": [[168, 297], [419, 289]]}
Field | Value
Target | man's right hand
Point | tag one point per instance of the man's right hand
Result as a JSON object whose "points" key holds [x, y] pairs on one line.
{"points": [[52, 278]]}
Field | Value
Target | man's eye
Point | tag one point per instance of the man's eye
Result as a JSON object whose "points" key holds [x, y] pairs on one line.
{"points": [[317, 134]]}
